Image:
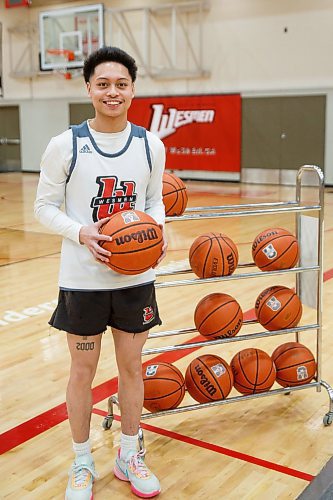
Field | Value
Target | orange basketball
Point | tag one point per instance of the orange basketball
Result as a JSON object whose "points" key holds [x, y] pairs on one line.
{"points": [[295, 364], [275, 248], [164, 387], [137, 241], [208, 378], [218, 315], [278, 308], [253, 370], [213, 254], [174, 194]]}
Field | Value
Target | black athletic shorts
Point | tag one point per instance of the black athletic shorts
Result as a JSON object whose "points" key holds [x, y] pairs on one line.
{"points": [[85, 313]]}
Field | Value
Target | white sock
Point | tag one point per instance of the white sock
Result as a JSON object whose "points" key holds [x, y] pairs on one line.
{"points": [[127, 444], [82, 448]]}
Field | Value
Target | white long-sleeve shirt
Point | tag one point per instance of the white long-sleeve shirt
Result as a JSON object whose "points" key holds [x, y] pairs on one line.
{"points": [[87, 175]]}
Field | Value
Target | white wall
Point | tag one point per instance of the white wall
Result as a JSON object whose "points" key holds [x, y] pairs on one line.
{"points": [[39, 121], [329, 139], [250, 46]]}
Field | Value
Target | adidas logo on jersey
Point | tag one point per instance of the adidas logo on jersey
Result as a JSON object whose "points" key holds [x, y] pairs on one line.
{"points": [[85, 149]]}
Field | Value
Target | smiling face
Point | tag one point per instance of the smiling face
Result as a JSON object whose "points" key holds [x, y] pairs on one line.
{"points": [[111, 91]]}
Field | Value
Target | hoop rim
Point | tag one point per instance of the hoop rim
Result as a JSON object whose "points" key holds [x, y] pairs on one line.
{"points": [[69, 54]]}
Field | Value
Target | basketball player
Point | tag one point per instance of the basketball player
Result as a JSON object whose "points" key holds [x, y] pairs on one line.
{"points": [[98, 168]]}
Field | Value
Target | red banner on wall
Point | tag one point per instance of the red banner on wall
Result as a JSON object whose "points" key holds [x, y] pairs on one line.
{"points": [[199, 132], [17, 3]]}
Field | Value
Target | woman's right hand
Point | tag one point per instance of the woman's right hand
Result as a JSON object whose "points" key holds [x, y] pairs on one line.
{"points": [[91, 237]]}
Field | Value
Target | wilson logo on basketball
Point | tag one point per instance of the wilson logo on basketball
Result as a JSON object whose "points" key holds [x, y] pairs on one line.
{"points": [[261, 296], [263, 237], [215, 264], [204, 381], [112, 197], [231, 263], [232, 332], [139, 236]]}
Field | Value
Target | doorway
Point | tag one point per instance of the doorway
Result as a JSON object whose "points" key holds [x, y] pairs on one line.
{"points": [[10, 150]]}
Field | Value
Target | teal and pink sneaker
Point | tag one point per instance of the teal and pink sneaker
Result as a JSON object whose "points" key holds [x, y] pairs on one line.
{"points": [[143, 482], [81, 478]]}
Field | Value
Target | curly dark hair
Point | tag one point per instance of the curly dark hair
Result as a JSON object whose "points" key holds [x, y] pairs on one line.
{"points": [[112, 54]]}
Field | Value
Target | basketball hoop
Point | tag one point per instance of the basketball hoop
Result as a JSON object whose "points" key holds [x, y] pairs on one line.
{"points": [[62, 55], [68, 54]]}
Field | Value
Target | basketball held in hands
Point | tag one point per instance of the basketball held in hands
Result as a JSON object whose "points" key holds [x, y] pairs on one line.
{"points": [[137, 241]]}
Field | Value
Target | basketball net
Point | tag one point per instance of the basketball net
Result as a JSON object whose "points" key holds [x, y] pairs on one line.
{"points": [[63, 55]]}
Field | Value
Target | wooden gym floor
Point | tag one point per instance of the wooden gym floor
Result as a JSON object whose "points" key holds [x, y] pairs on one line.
{"points": [[266, 448]]}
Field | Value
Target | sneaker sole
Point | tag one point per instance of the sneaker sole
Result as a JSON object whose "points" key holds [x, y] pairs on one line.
{"points": [[120, 475], [91, 498]]}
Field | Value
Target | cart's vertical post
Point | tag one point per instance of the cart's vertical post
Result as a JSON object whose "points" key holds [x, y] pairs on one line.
{"points": [[320, 251]]}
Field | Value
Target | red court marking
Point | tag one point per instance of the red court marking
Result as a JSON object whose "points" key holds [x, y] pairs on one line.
{"points": [[35, 426], [31, 428], [41, 423], [328, 275], [219, 449]]}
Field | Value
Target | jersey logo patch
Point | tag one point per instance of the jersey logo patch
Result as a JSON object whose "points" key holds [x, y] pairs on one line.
{"points": [[85, 149], [113, 196], [148, 314]]}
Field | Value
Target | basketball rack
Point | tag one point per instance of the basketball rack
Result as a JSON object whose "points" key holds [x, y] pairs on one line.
{"points": [[316, 268]]}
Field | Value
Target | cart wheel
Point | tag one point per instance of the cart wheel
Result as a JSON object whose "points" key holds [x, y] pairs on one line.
{"points": [[107, 423], [328, 419]]}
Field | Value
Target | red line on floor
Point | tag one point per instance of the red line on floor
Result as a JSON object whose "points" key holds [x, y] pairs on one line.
{"points": [[31, 428], [35, 426], [219, 449], [328, 275], [48, 419], [41, 423]]}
